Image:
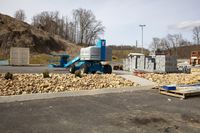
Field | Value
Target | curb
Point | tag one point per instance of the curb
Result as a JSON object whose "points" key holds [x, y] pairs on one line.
{"points": [[39, 96]]}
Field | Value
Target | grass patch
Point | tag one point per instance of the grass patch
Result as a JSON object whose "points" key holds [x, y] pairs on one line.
{"points": [[39, 59]]}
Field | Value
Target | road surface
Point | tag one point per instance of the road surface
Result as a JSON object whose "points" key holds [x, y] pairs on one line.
{"points": [[138, 111]]}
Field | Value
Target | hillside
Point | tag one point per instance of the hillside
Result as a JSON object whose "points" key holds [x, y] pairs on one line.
{"points": [[17, 33], [184, 52], [121, 51]]}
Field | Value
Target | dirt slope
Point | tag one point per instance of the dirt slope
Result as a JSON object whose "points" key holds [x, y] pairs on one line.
{"points": [[18, 33]]}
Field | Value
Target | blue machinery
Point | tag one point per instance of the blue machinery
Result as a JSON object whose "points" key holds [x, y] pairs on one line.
{"points": [[86, 66], [63, 60]]}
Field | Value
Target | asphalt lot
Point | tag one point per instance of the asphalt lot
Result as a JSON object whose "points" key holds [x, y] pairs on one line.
{"points": [[137, 111], [39, 69], [30, 69]]}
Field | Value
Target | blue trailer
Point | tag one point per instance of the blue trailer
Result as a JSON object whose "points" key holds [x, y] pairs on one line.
{"points": [[91, 66]]}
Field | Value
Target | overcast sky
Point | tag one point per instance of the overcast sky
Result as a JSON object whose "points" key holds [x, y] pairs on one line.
{"points": [[122, 17]]}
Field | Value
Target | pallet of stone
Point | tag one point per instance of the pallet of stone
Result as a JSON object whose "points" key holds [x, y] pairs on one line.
{"points": [[166, 63], [182, 91]]}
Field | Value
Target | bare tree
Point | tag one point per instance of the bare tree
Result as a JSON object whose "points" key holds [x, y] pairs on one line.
{"points": [[84, 28], [48, 21], [175, 41], [155, 44], [87, 27], [196, 34], [20, 15], [72, 32], [165, 44]]}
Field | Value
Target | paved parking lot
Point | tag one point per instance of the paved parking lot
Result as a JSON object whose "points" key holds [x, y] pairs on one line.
{"points": [[137, 111], [30, 69]]}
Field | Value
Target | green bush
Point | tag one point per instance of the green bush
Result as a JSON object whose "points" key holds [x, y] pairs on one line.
{"points": [[8, 75], [46, 74]]}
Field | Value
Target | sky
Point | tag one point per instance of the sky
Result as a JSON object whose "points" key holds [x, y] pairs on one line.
{"points": [[122, 17]]}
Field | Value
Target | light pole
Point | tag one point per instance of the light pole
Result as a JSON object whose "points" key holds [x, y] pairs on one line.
{"points": [[142, 26]]}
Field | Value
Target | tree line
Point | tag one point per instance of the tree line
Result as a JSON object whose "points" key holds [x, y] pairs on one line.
{"points": [[171, 42], [83, 28]]}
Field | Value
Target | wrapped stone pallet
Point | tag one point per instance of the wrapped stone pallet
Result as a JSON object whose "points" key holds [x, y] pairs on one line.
{"points": [[166, 64], [149, 63], [133, 63], [19, 56], [126, 65], [141, 63]]}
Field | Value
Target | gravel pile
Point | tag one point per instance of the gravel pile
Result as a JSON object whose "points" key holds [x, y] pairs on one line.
{"points": [[195, 70], [35, 83], [175, 78]]}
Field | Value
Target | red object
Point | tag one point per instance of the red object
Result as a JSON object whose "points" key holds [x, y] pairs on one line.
{"points": [[195, 58]]}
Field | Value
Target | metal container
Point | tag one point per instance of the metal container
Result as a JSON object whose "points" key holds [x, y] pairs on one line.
{"points": [[94, 53]]}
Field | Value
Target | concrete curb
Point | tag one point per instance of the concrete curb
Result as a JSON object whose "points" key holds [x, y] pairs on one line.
{"points": [[138, 80], [129, 76], [37, 96]]}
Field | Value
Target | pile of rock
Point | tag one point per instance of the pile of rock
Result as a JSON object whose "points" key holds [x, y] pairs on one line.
{"points": [[175, 78], [195, 70], [35, 83]]}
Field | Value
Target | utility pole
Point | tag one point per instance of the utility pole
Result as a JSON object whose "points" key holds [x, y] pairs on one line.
{"points": [[136, 43], [142, 26]]}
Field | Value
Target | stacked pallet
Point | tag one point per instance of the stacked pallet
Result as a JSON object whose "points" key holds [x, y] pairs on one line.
{"points": [[141, 63], [126, 64], [158, 63], [166, 63], [133, 62], [149, 63], [181, 91], [19, 56]]}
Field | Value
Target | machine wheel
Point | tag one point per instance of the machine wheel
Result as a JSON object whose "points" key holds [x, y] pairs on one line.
{"points": [[93, 72], [107, 69], [72, 69], [84, 69]]}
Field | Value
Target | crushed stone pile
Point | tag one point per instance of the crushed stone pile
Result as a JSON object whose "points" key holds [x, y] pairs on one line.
{"points": [[175, 78], [195, 70], [35, 83]]}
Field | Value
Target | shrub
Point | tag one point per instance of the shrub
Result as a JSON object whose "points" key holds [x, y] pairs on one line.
{"points": [[46, 74], [8, 75], [78, 74]]}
